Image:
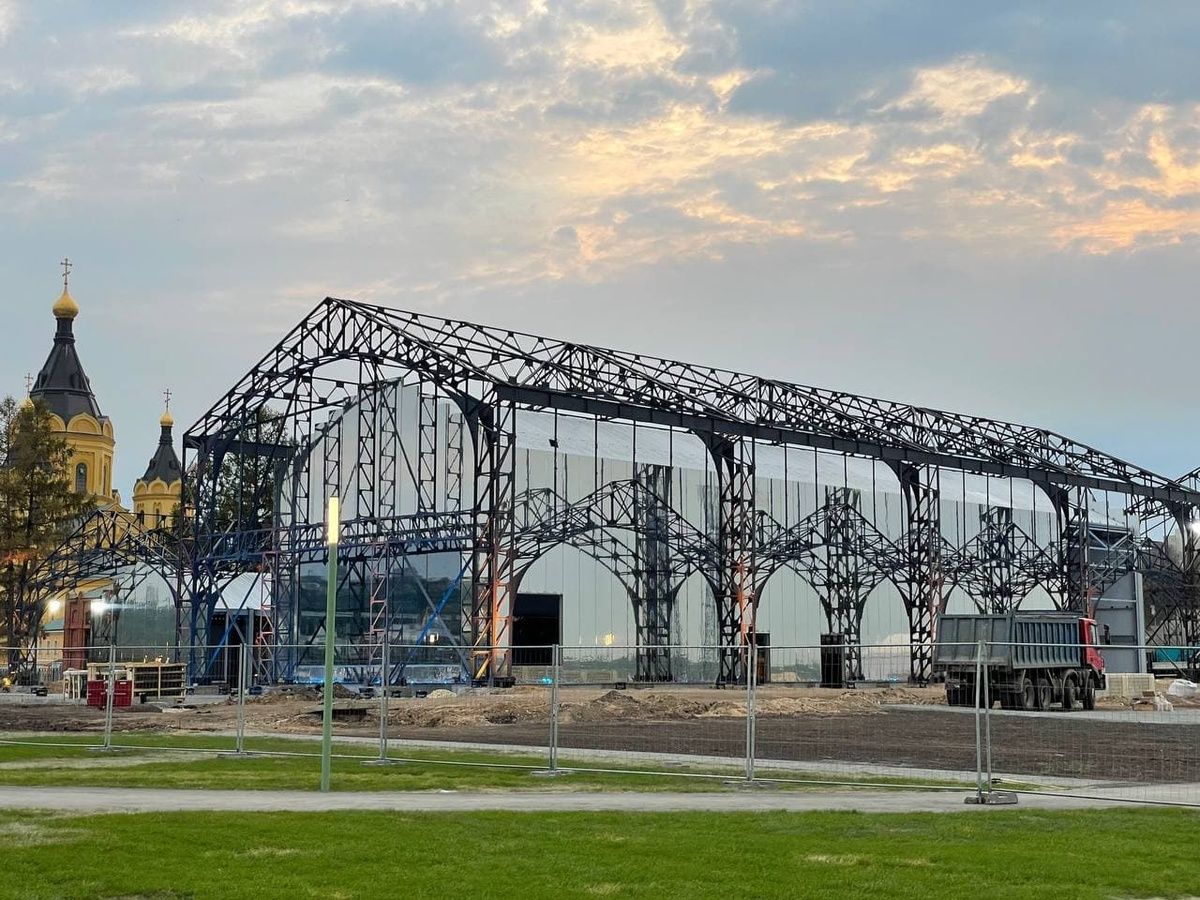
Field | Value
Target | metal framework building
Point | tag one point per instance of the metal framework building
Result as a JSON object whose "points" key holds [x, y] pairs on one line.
{"points": [[111, 547], [324, 412]]}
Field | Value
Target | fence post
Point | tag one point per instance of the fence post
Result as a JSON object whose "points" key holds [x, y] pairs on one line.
{"points": [[555, 668], [983, 739], [978, 712], [385, 680], [243, 659], [751, 679], [239, 743], [552, 768], [110, 686], [987, 726]]}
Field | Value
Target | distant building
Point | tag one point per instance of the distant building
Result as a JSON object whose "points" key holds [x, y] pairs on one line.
{"points": [[156, 494], [63, 387]]}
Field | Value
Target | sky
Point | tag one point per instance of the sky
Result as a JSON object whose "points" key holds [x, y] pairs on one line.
{"points": [[991, 208]]}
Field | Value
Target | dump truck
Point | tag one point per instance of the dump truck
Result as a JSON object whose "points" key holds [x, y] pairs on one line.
{"points": [[1031, 660]]}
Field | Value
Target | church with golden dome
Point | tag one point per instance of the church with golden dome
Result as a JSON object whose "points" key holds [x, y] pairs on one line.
{"points": [[156, 494], [63, 388]]}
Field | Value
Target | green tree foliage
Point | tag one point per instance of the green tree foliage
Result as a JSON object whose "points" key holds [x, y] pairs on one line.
{"points": [[37, 508], [248, 483]]}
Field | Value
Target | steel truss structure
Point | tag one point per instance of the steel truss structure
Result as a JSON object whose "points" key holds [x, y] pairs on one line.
{"points": [[321, 414], [111, 547]]}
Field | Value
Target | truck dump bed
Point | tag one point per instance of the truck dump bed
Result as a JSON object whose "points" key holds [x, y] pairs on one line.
{"points": [[1015, 640]]}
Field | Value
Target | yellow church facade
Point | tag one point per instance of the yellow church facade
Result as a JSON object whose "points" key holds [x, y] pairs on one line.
{"points": [[157, 493], [64, 389]]}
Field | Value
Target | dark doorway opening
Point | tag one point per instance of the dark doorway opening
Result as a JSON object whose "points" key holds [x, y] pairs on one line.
{"points": [[537, 627], [762, 673]]}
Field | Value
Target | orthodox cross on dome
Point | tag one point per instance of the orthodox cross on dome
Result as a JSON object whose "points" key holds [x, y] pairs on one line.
{"points": [[167, 399], [66, 267], [28, 382]]}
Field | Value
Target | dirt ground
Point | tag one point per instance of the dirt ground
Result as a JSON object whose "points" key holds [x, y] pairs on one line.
{"points": [[869, 725], [293, 711]]}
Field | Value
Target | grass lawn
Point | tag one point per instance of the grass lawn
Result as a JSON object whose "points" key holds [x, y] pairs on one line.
{"points": [[1002, 854], [69, 762]]}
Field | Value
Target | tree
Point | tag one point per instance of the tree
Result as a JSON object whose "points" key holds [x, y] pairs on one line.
{"points": [[37, 510], [248, 483]]}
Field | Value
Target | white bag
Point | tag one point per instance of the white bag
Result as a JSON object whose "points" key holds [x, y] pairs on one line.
{"points": [[1182, 688]]}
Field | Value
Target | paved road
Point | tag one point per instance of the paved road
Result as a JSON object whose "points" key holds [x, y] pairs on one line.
{"points": [[102, 800]]}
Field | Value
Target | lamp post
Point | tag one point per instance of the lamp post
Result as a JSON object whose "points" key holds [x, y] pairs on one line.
{"points": [[332, 527]]}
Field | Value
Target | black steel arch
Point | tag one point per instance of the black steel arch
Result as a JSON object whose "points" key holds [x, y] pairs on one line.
{"points": [[342, 346]]}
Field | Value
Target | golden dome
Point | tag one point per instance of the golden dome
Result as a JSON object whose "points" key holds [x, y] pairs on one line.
{"points": [[27, 403], [65, 306], [167, 419]]}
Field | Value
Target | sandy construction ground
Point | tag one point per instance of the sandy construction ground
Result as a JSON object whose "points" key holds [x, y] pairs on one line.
{"points": [[889, 726], [297, 710]]}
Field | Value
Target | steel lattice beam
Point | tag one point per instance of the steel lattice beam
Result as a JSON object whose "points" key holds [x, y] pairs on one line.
{"points": [[546, 373], [344, 348]]}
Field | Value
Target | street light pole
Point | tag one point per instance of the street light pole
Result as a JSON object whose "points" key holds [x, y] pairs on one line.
{"points": [[332, 528]]}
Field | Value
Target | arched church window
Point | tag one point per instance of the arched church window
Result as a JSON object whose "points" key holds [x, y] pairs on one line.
{"points": [[81, 478]]}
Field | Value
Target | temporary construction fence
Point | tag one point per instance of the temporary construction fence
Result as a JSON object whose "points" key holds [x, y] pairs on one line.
{"points": [[821, 714]]}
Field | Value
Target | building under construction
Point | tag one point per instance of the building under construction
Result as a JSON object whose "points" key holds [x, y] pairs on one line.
{"points": [[503, 490]]}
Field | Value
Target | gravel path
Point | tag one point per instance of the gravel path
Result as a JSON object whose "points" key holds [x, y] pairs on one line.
{"points": [[106, 800]]}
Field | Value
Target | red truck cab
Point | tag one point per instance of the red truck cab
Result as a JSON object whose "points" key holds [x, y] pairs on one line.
{"points": [[1092, 658]]}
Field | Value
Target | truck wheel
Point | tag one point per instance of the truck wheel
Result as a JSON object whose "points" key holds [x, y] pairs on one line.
{"points": [[1070, 692], [1043, 693], [1089, 694], [1025, 693]]}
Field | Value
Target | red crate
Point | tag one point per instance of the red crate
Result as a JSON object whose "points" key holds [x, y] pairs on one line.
{"points": [[122, 694]]}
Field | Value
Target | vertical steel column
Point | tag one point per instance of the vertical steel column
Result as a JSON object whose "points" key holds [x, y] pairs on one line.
{"points": [[493, 555], [1073, 583], [264, 637], [844, 583], [1186, 610], [203, 589], [388, 441], [427, 449], [331, 455], [366, 481], [998, 593], [379, 577], [922, 582], [736, 603], [454, 461], [652, 567], [286, 583]]}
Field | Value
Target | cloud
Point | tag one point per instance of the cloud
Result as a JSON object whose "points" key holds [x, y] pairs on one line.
{"points": [[964, 87], [488, 151], [8, 19], [626, 125]]}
